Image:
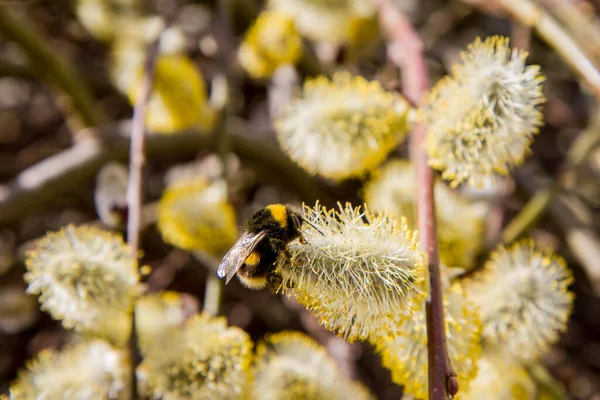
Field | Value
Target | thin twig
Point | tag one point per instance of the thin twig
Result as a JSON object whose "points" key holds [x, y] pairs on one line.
{"points": [[136, 163], [213, 295], [531, 14], [405, 49], [44, 59]]}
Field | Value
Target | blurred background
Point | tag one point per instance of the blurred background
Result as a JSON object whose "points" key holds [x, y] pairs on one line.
{"points": [[69, 71]]}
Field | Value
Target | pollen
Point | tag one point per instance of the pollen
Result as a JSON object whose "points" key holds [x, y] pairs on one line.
{"points": [[524, 299], [343, 127], [356, 272], [279, 212], [482, 118], [253, 259]]}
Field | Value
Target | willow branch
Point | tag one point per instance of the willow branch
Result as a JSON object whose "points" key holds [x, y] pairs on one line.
{"points": [[44, 59], [405, 49], [134, 187], [72, 168], [529, 13]]}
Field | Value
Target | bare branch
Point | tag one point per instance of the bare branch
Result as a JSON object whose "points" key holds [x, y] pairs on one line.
{"points": [[405, 49], [68, 170]]}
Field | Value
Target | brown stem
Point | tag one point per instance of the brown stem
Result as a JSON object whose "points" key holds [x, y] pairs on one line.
{"points": [[136, 163], [405, 49]]}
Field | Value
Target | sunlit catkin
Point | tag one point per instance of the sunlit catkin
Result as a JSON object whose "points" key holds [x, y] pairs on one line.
{"points": [[499, 378], [292, 366], [91, 370], [333, 21], [406, 354], [357, 273], [482, 118], [203, 360], [196, 216], [83, 274], [523, 297], [272, 41], [460, 223], [343, 127]]}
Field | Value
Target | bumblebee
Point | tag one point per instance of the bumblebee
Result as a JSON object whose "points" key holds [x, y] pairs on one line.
{"points": [[266, 236]]}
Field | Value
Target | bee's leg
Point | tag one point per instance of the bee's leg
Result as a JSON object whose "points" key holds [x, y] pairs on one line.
{"points": [[274, 282]]}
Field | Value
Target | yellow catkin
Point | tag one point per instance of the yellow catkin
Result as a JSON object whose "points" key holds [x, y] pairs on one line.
{"points": [[523, 296], [272, 41], [357, 273], [482, 118], [343, 127]]}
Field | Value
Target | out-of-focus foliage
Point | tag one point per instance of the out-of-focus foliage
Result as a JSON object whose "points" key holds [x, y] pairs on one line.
{"points": [[197, 216], [272, 41], [334, 21], [110, 194]]}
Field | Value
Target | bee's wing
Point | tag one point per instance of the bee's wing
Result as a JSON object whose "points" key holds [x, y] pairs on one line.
{"points": [[236, 256]]}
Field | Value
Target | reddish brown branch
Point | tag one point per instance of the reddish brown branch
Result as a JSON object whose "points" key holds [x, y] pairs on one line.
{"points": [[136, 163], [405, 49]]}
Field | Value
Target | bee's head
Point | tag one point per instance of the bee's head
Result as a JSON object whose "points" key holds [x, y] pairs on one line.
{"points": [[297, 220]]}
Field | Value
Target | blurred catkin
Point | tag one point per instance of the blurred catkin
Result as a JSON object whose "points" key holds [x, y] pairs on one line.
{"points": [[272, 41], [333, 21], [178, 100], [205, 359], [158, 317], [343, 127], [481, 119], [523, 297], [460, 223], [405, 355], [499, 378], [83, 274], [292, 366], [110, 194], [196, 216], [358, 273], [91, 370]]}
